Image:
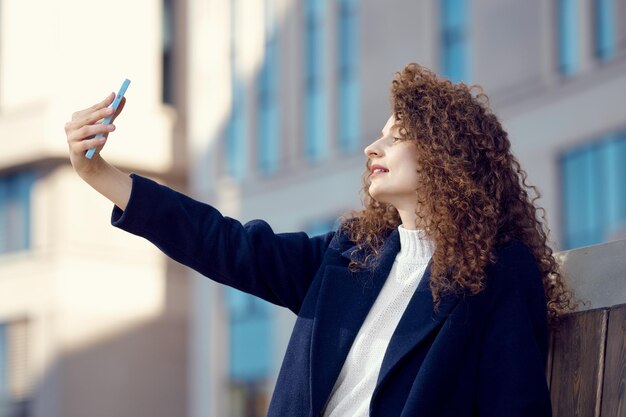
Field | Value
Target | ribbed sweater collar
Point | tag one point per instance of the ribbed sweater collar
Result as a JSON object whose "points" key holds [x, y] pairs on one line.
{"points": [[415, 247]]}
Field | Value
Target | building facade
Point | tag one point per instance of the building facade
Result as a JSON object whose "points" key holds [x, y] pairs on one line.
{"points": [[293, 91], [92, 320]]}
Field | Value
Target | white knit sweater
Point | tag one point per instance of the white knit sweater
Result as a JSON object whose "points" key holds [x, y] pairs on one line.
{"points": [[353, 389]]}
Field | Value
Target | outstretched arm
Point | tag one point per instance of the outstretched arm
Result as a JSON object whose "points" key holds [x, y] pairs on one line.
{"points": [[277, 267]]}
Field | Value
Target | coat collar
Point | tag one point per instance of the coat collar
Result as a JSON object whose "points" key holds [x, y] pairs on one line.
{"points": [[349, 249], [345, 298]]}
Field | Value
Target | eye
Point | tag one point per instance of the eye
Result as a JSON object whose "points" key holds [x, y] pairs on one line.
{"points": [[395, 139]]}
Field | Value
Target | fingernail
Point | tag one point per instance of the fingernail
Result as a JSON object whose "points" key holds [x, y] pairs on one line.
{"points": [[111, 127]]}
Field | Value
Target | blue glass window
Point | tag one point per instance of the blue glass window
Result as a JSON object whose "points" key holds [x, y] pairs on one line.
{"points": [[454, 15], [321, 226], [604, 12], [315, 123], [348, 52], [250, 336], [15, 202], [594, 196], [268, 151], [568, 36], [236, 130]]}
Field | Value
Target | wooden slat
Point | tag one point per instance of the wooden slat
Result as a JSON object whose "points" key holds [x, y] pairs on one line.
{"points": [[577, 368], [614, 386]]}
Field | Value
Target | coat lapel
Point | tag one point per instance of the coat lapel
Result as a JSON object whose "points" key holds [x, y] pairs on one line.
{"points": [[418, 321], [345, 299]]}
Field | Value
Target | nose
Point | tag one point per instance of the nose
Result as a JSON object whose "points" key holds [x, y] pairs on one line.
{"points": [[373, 149]]}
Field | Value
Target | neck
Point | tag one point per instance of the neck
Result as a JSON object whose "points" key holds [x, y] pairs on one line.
{"points": [[409, 219]]}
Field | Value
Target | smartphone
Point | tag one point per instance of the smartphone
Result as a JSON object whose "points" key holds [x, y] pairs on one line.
{"points": [[116, 102]]}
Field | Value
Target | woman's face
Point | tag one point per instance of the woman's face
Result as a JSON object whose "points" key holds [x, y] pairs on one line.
{"points": [[395, 185]]}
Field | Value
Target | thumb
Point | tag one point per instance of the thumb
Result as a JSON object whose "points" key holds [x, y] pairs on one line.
{"points": [[119, 109]]}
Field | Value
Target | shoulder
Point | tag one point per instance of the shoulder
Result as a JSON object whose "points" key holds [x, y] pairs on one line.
{"points": [[515, 266], [341, 241], [514, 254], [517, 286]]}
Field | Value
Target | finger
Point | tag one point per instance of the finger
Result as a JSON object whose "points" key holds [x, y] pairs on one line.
{"points": [[88, 132], [96, 117], [101, 114], [108, 100], [97, 143], [81, 113]]}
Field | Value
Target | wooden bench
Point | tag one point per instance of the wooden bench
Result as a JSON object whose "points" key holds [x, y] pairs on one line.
{"points": [[586, 368]]}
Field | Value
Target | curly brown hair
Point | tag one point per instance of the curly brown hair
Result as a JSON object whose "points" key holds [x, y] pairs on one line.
{"points": [[472, 196]]}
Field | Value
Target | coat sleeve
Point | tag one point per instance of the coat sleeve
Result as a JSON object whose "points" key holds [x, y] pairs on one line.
{"points": [[512, 381], [277, 267]]}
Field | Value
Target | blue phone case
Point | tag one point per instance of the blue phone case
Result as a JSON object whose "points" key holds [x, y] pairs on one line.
{"points": [[116, 102]]}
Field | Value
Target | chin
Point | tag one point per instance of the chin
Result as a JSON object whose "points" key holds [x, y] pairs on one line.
{"points": [[380, 197]]}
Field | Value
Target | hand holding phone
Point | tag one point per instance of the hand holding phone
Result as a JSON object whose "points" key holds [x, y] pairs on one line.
{"points": [[116, 102]]}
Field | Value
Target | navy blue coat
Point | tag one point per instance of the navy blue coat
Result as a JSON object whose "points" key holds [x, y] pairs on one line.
{"points": [[481, 355]]}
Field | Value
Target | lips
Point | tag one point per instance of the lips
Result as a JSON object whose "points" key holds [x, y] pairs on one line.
{"points": [[377, 169]]}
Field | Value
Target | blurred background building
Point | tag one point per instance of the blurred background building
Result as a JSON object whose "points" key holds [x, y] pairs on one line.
{"points": [[261, 108]]}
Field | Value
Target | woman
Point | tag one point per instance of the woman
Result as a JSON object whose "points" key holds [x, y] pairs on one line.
{"points": [[433, 300]]}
